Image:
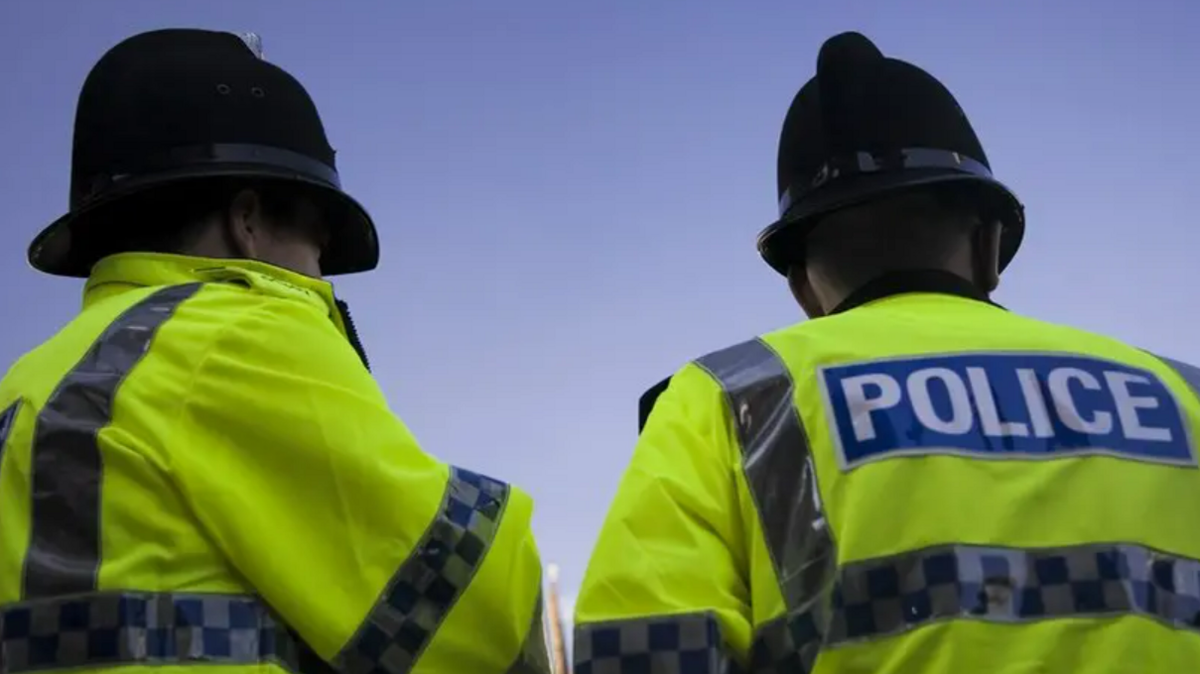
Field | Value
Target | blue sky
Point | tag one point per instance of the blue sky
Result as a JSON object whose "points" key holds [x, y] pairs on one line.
{"points": [[568, 193]]}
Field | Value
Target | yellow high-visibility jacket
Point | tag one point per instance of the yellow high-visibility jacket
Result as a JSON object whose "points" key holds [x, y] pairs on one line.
{"points": [[199, 470], [925, 483]]}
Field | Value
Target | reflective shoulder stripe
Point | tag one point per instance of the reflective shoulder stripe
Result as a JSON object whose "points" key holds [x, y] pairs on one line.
{"points": [[777, 463], [110, 629], [7, 418], [679, 644], [534, 657], [64, 546], [1189, 373], [430, 581]]}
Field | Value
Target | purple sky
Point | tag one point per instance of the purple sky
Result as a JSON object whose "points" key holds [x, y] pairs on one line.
{"points": [[568, 198]]}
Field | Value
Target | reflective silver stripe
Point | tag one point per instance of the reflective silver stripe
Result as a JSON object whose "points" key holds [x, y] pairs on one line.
{"points": [[893, 594], [431, 580], [1189, 373], [7, 418], [778, 466], [64, 546], [106, 629], [679, 644], [534, 657]]}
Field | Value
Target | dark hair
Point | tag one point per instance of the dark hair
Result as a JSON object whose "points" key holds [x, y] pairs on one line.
{"points": [[168, 219]]}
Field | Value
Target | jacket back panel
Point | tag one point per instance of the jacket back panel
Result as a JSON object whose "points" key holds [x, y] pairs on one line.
{"points": [[1052, 526], [105, 516]]}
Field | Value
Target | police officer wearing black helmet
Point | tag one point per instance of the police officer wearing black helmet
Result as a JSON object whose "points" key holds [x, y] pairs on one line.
{"points": [[917, 480], [199, 468]]}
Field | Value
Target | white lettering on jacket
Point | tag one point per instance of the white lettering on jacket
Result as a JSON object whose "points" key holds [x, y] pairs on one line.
{"points": [[1004, 404]]}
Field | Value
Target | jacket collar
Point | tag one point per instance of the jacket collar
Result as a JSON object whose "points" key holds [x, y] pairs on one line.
{"points": [[933, 281], [126, 271]]}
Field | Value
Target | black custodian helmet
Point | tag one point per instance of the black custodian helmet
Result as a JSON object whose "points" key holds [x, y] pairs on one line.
{"points": [[171, 106], [865, 127]]}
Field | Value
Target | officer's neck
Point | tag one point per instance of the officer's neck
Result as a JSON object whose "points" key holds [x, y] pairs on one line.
{"points": [[892, 283]]}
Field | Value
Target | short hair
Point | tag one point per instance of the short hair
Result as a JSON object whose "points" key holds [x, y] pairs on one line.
{"points": [[918, 229], [170, 218]]}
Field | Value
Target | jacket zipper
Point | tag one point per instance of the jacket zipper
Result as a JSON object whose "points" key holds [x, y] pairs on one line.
{"points": [[352, 332]]}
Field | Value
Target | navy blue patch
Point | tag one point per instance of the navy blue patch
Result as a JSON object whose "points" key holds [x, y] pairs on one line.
{"points": [[1002, 405]]}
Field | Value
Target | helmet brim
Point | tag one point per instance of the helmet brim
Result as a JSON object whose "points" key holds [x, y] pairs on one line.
{"points": [[781, 241], [353, 245]]}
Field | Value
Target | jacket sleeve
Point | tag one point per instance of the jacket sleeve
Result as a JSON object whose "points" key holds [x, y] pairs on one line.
{"points": [[369, 549], [667, 579]]}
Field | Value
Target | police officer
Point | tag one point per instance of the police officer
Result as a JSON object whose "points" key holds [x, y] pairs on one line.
{"points": [[917, 480], [199, 469]]}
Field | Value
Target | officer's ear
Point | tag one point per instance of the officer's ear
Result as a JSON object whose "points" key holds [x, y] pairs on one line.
{"points": [[802, 290], [245, 226], [987, 255]]}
